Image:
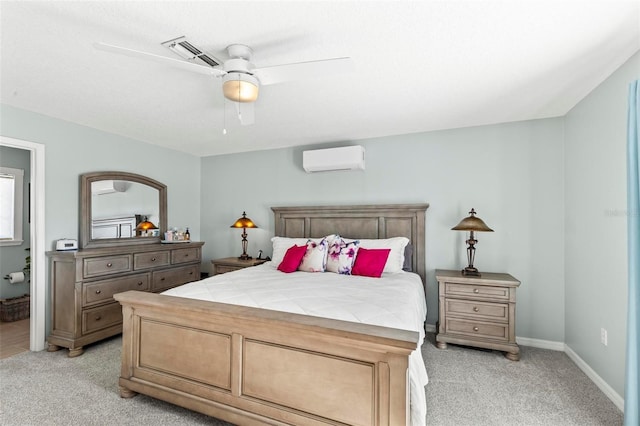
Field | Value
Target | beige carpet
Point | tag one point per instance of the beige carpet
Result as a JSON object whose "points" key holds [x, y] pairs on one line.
{"points": [[467, 387]]}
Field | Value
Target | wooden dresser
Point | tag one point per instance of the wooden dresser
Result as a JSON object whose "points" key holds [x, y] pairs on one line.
{"points": [[478, 311], [228, 264], [83, 283]]}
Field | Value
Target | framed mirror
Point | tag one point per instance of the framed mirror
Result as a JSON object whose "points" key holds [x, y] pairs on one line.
{"points": [[118, 208]]}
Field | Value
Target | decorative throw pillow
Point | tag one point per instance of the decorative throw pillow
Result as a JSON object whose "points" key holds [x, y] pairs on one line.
{"points": [[370, 262], [341, 255], [292, 259], [315, 259]]}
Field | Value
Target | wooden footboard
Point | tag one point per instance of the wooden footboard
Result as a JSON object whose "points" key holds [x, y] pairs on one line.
{"points": [[255, 366]]}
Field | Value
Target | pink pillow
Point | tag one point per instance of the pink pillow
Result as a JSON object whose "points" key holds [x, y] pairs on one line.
{"points": [[292, 258], [370, 262]]}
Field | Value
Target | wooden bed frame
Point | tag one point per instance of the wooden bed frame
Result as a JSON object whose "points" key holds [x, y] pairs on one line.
{"points": [[255, 366]]}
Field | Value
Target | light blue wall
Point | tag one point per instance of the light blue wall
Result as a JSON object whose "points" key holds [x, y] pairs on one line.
{"points": [[71, 150], [596, 225], [510, 173], [12, 258]]}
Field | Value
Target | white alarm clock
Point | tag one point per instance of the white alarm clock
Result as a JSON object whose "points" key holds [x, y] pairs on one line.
{"points": [[66, 244]]}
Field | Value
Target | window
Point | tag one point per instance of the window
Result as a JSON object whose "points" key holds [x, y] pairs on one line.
{"points": [[11, 189]]}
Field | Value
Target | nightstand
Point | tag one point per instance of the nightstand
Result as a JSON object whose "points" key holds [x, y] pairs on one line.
{"points": [[478, 311], [228, 264]]}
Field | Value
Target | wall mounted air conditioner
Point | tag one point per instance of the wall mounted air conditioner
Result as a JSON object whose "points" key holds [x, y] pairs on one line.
{"points": [[343, 158], [101, 187]]}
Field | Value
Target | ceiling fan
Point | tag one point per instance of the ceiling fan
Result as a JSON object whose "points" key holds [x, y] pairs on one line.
{"points": [[241, 80]]}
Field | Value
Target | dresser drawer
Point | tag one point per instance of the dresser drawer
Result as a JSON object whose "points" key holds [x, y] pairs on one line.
{"points": [[96, 266], [479, 310], [103, 290], [477, 291], [185, 255], [477, 329], [102, 317], [168, 278], [151, 259]]}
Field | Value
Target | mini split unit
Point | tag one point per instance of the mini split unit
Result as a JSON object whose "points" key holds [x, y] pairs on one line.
{"points": [[323, 160], [101, 187]]}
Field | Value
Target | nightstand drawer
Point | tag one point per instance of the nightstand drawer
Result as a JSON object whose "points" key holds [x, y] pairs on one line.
{"points": [[221, 269], [478, 329], [480, 310], [150, 260], [477, 291]]}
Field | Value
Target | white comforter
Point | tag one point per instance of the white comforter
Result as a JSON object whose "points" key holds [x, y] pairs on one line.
{"points": [[395, 300]]}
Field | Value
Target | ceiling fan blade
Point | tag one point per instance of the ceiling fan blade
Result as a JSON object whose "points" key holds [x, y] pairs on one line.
{"points": [[303, 70], [162, 59], [246, 112]]}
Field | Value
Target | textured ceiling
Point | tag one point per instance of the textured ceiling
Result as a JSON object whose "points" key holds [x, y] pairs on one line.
{"points": [[417, 66]]}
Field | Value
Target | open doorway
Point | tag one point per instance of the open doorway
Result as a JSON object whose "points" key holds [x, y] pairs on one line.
{"points": [[36, 245]]}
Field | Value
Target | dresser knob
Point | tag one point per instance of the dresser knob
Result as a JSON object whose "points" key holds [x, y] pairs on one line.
{"points": [[475, 328], [98, 291], [139, 282], [162, 279], [191, 273], [109, 265], [476, 309], [475, 290], [98, 318], [153, 259]]}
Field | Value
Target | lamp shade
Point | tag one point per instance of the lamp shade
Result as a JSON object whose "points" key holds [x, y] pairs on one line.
{"points": [[145, 225], [472, 223], [239, 87], [244, 222]]}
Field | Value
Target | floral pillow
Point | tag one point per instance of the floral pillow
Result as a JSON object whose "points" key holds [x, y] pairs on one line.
{"points": [[315, 259], [341, 255]]}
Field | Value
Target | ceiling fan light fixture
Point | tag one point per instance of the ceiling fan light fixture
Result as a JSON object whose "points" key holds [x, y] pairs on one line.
{"points": [[239, 87]]}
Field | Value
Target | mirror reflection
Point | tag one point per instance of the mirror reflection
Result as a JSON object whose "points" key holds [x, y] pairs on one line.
{"points": [[124, 209]]}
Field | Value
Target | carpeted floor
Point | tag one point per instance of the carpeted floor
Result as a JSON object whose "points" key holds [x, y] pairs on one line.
{"points": [[467, 387]]}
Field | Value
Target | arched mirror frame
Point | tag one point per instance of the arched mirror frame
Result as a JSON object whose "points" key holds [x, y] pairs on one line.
{"points": [[86, 240]]}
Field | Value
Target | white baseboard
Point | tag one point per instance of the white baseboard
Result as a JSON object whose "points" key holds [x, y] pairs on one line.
{"points": [[595, 378], [542, 344]]}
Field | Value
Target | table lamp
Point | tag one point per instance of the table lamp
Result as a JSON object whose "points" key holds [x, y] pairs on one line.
{"points": [[472, 224], [244, 222]]}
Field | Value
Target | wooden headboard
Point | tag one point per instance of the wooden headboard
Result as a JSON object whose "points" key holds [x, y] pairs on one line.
{"points": [[359, 221]]}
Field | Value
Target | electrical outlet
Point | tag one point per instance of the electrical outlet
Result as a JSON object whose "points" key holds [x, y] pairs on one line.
{"points": [[603, 336]]}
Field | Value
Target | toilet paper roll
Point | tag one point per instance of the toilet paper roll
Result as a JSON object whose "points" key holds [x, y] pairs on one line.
{"points": [[16, 277]]}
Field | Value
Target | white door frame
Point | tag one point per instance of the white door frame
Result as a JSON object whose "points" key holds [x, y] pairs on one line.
{"points": [[38, 265]]}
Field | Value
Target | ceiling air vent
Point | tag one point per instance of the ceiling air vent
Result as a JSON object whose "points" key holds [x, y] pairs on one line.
{"points": [[186, 50]]}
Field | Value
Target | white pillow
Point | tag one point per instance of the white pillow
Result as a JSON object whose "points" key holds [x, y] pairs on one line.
{"points": [[395, 261], [315, 259], [281, 245]]}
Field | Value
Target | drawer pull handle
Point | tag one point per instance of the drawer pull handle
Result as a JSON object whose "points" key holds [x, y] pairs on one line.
{"points": [[186, 255], [475, 290], [98, 318], [476, 309], [475, 328], [153, 259], [162, 279], [109, 265], [191, 273], [139, 282], [98, 291]]}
